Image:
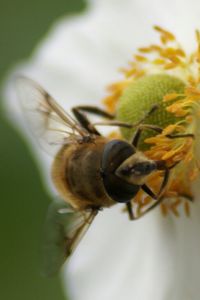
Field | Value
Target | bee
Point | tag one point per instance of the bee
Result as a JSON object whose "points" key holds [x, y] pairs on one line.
{"points": [[89, 171]]}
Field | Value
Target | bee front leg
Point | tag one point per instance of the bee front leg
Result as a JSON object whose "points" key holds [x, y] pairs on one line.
{"points": [[157, 197], [157, 129], [139, 131], [130, 210], [184, 135], [149, 192]]}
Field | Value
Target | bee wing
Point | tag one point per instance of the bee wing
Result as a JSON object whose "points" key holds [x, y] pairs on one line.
{"points": [[51, 125], [64, 228]]}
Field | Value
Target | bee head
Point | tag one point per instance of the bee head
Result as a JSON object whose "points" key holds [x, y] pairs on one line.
{"points": [[137, 168]]}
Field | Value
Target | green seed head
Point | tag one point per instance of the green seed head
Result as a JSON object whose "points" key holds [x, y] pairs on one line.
{"points": [[139, 97]]}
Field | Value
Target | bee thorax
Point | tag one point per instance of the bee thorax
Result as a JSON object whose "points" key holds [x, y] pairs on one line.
{"points": [[80, 177]]}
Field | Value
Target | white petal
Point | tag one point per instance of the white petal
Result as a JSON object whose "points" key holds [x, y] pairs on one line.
{"points": [[154, 258]]}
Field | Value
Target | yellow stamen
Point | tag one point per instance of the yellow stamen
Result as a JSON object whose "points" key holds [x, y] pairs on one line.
{"points": [[165, 36]]}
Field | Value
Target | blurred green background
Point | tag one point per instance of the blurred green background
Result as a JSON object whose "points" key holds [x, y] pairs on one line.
{"points": [[23, 199]]}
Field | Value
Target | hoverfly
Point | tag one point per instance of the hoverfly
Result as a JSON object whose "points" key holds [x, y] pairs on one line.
{"points": [[89, 171]]}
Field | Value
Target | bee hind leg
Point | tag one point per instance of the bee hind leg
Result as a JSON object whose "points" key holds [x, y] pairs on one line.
{"points": [[78, 112]]}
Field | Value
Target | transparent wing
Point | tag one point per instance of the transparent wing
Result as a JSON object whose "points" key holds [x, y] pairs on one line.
{"points": [[64, 228], [51, 125]]}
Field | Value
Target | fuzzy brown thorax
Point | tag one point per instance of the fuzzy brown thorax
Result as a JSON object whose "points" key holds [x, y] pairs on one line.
{"points": [[76, 175]]}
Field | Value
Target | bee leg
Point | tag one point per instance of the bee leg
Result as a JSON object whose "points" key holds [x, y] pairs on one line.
{"points": [[157, 129], [139, 131], [157, 197], [116, 123], [164, 182], [176, 136], [83, 120], [125, 124], [150, 208], [78, 112], [149, 192], [130, 210], [187, 197], [93, 110]]}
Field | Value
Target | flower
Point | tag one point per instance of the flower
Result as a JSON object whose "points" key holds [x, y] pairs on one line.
{"points": [[155, 257], [164, 74]]}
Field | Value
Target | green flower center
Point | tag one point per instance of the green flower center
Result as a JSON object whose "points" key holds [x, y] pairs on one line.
{"points": [[138, 99]]}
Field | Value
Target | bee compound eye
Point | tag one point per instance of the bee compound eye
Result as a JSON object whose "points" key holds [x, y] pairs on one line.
{"points": [[115, 152]]}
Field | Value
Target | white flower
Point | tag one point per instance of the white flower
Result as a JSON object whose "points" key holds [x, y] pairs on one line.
{"points": [[155, 257]]}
